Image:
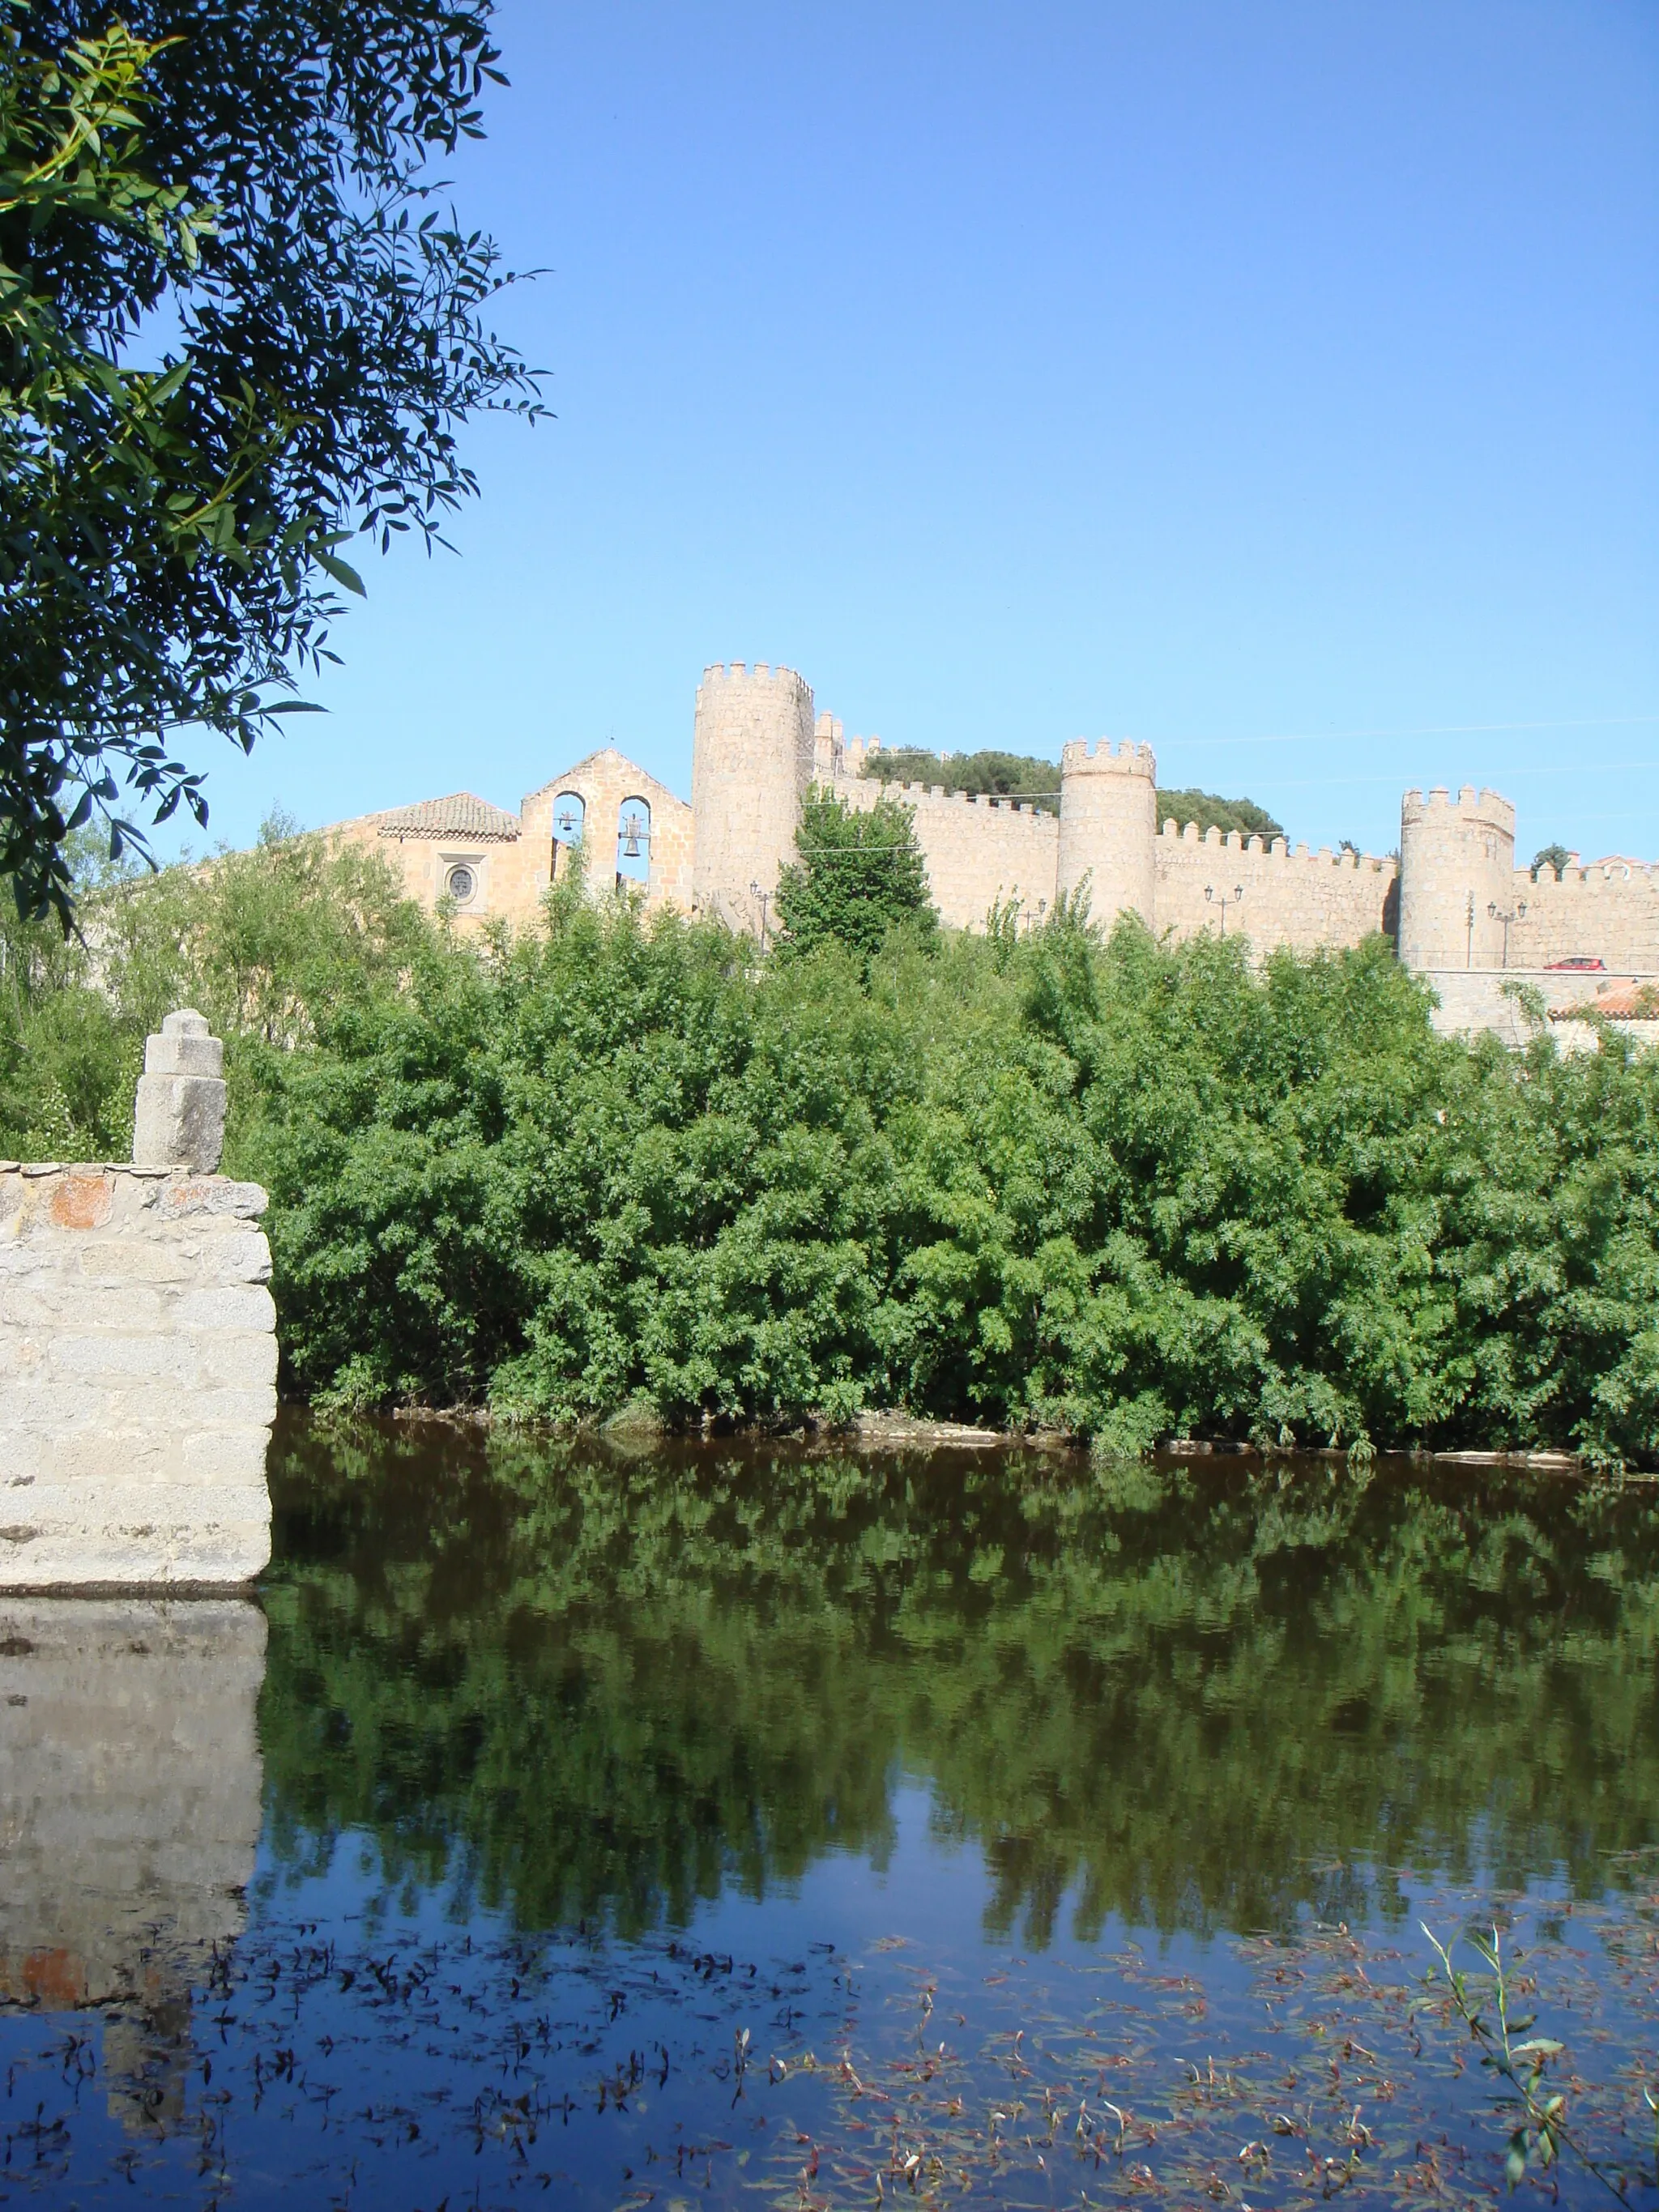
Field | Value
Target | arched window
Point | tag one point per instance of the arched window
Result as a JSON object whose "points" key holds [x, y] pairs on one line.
{"points": [[634, 841], [569, 814]]}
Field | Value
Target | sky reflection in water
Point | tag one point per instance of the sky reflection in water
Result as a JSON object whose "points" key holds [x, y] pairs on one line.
{"points": [[988, 1799]]}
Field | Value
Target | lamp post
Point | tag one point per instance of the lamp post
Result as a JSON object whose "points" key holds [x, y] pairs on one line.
{"points": [[1514, 914], [762, 900], [1214, 898]]}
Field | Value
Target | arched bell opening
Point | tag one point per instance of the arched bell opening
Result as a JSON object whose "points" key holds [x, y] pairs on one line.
{"points": [[569, 825], [633, 842]]}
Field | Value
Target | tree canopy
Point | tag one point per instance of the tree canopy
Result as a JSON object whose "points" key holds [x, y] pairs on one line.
{"points": [[241, 329], [858, 874]]}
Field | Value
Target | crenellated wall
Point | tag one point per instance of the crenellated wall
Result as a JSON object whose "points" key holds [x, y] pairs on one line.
{"points": [[1452, 899], [978, 850], [1297, 898], [1608, 911]]}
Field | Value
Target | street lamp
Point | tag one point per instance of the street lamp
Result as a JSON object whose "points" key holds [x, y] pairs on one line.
{"points": [[763, 899], [1497, 914], [1222, 901]]}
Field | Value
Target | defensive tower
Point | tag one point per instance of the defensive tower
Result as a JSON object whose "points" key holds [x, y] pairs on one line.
{"points": [[1108, 827], [751, 758], [1456, 879]]}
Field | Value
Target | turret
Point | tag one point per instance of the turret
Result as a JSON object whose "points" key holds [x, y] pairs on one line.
{"points": [[1456, 877], [751, 759], [1108, 809]]}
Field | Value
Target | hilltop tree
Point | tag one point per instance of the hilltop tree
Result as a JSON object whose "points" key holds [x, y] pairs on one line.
{"points": [[1025, 775], [858, 874], [240, 330]]}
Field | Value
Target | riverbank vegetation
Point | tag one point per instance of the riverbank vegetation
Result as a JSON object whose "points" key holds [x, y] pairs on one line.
{"points": [[1038, 1177]]}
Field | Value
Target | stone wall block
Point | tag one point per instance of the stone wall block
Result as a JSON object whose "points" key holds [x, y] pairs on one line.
{"points": [[236, 1256], [138, 1373], [227, 1456], [233, 1359], [230, 1305], [215, 1408]]}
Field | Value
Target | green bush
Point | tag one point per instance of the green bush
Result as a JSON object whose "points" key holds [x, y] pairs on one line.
{"points": [[1131, 1189]]}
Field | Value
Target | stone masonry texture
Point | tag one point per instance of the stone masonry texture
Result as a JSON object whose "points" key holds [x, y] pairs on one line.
{"points": [[138, 1378], [179, 1116]]}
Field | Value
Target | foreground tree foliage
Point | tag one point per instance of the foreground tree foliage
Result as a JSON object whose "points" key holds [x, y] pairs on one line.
{"points": [[1125, 1189], [239, 329]]}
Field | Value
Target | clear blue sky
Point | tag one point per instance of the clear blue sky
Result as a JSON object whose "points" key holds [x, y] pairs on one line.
{"points": [[1277, 382]]}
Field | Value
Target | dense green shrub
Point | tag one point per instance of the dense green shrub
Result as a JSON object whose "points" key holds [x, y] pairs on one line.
{"points": [[1128, 1188]]}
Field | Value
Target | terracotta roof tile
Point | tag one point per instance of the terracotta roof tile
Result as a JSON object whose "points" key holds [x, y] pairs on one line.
{"points": [[1637, 1002], [461, 815]]}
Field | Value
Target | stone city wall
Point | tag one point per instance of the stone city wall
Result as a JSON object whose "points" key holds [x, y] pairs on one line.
{"points": [[137, 1377], [1608, 911], [977, 849], [1297, 898]]}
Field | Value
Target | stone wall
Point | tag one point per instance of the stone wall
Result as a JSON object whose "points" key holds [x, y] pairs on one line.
{"points": [[612, 789], [1297, 898], [137, 1377], [1608, 911], [978, 850]]}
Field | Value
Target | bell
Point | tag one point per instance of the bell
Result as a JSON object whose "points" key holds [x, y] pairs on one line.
{"points": [[631, 838]]}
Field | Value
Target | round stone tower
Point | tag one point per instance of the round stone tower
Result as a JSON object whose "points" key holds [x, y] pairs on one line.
{"points": [[1456, 865], [751, 758], [1108, 827]]}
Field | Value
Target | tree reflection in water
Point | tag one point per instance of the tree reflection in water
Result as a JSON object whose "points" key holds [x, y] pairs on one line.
{"points": [[601, 1686]]}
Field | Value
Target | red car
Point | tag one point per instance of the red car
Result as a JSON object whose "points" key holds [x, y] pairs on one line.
{"points": [[1579, 961]]}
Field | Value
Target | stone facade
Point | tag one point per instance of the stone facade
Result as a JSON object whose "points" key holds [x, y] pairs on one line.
{"points": [[137, 1377], [1453, 900]]}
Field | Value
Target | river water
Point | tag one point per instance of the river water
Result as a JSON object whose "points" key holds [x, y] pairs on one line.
{"points": [[633, 1825]]}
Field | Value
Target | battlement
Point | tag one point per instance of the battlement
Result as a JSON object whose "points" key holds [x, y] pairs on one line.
{"points": [[736, 671], [990, 802], [1469, 805], [1275, 849], [1099, 756]]}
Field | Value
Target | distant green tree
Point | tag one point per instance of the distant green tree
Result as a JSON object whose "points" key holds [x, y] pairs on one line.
{"points": [[859, 873], [1553, 856], [1213, 813], [993, 773], [1025, 776]]}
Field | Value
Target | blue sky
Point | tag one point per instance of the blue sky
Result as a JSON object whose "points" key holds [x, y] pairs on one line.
{"points": [[1275, 380]]}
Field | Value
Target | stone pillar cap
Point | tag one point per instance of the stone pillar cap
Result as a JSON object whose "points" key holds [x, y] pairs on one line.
{"points": [[184, 1047]]}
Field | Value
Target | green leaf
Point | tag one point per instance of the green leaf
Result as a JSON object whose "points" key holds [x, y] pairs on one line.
{"points": [[342, 571]]}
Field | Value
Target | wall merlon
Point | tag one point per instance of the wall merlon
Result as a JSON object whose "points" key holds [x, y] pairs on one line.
{"points": [[1100, 757]]}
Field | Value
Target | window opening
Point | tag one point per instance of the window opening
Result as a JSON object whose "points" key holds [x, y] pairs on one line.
{"points": [[634, 841]]}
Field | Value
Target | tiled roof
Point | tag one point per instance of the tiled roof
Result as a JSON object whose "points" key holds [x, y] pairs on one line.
{"points": [[1637, 1002], [461, 815]]}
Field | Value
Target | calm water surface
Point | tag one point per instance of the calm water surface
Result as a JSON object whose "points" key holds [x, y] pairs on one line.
{"points": [[692, 1825]]}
